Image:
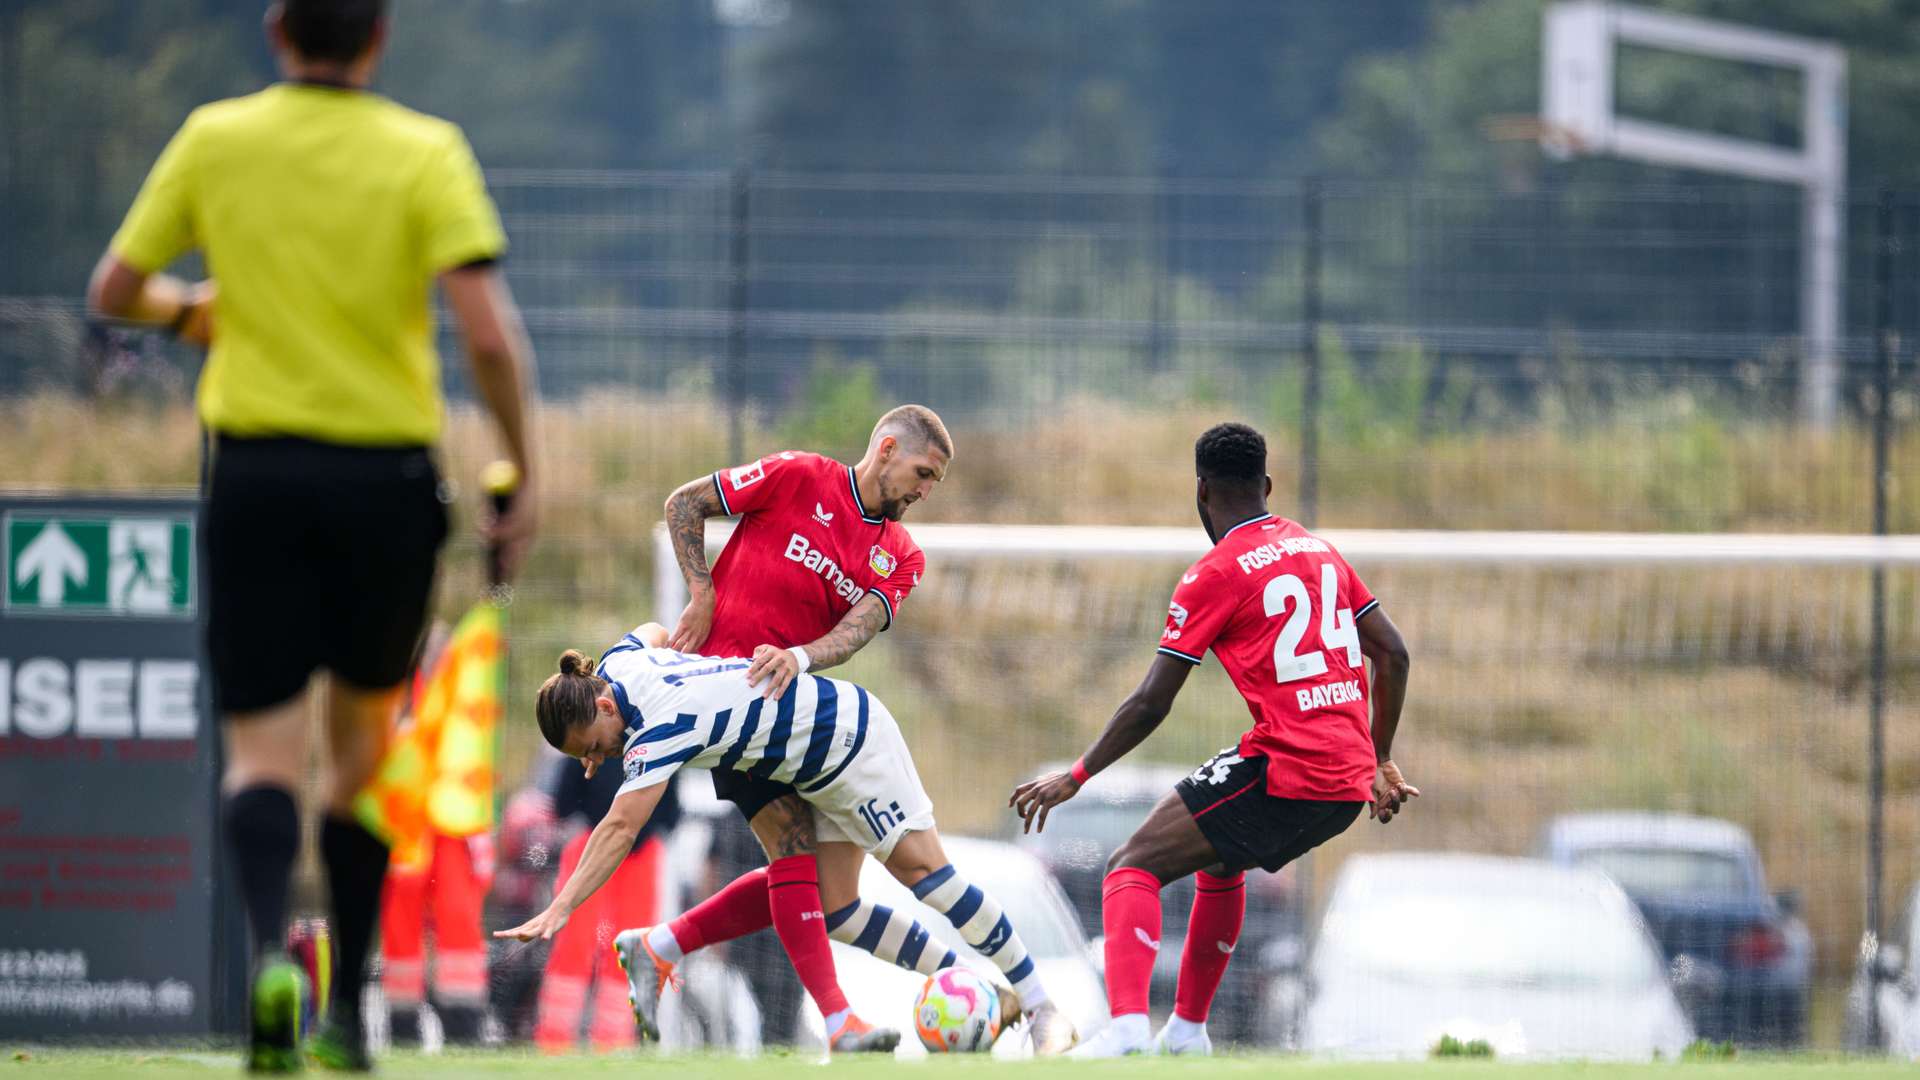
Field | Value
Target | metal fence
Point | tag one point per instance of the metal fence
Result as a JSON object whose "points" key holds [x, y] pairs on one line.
{"points": [[1385, 329], [1546, 353], [1371, 321]]}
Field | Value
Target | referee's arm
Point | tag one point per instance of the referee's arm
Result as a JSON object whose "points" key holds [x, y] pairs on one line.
{"points": [[498, 351], [126, 283], [119, 290]]}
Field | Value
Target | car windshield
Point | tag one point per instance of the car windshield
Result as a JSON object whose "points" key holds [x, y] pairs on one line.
{"points": [[1459, 937], [1670, 871], [1031, 902]]}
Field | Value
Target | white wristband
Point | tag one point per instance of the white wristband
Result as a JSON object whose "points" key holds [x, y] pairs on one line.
{"points": [[805, 660]]}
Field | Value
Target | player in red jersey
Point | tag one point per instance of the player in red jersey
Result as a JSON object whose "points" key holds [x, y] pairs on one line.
{"points": [[1290, 622], [817, 566]]}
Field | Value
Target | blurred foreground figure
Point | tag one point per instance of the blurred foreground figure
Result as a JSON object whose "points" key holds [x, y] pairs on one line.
{"points": [[328, 212], [433, 802]]}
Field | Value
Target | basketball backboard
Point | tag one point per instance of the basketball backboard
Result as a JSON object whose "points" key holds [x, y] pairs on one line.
{"points": [[1579, 115]]}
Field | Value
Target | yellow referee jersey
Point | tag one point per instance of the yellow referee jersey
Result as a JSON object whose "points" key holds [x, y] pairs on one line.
{"points": [[324, 215]]}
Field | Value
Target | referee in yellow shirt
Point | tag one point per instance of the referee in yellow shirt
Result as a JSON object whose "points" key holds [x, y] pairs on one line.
{"points": [[325, 214]]}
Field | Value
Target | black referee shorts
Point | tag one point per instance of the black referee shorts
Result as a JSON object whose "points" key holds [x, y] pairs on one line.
{"points": [[1248, 827], [317, 556]]}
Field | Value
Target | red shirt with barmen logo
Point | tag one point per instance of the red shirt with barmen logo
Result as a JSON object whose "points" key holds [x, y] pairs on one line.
{"points": [[805, 551], [1279, 607]]}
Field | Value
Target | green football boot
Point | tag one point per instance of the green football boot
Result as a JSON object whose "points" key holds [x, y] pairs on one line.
{"points": [[279, 999], [340, 1047]]}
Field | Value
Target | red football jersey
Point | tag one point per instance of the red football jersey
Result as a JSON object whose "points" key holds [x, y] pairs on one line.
{"points": [[805, 551], [1279, 607]]}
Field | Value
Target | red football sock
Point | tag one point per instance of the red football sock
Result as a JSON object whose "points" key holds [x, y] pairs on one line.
{"points": [[735, 911], [1219, 907], [793, 892], [1130, 909]]}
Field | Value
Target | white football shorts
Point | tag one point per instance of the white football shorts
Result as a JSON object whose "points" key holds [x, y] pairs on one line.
{"points": [[878, 798]]}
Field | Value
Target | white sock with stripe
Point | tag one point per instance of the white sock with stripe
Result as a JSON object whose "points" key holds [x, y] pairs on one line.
{"points": [[664, 945], [892, 936], [983, 925]]}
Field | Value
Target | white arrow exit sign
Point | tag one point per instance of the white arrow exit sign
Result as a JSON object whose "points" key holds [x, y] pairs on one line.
{"points": [[87, 564]]}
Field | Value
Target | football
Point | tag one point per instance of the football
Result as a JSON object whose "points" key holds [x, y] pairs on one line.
{"points": [[957, 1012]]}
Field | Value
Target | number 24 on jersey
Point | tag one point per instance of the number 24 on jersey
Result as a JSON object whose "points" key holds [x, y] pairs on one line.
{"points": [[1287, 592]]}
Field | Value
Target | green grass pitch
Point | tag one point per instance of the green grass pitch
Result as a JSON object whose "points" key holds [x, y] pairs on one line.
{"points": [[31, 1063]]}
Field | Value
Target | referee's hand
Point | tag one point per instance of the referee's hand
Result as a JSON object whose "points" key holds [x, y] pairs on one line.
{"points": [[511, 533], [194, 325]]}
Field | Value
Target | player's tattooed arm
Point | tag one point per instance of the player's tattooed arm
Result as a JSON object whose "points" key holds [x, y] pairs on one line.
{"points": [[687, 512], [860, 626], [774, 667], [688, 509]]}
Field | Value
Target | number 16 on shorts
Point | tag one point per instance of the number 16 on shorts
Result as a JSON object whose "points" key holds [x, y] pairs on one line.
{"points": [[880, 821]]}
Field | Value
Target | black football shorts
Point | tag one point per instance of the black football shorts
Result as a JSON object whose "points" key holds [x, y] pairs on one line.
{"points": [[1248, 827], [748, 794], [316, 556]]}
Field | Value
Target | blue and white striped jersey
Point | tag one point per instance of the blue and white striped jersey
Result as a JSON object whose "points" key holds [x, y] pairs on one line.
{"points": [[686, 709]]}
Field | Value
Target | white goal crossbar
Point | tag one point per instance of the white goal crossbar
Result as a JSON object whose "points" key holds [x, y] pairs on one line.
{"points": [[1365, 547]]}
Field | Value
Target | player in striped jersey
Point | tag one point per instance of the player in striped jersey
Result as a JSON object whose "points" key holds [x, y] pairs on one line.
{"points": [[661, 710]]}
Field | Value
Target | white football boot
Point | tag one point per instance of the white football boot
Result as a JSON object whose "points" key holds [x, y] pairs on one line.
{"points": [[1049, 1029], [1183, 1037], [1124, 1035]]}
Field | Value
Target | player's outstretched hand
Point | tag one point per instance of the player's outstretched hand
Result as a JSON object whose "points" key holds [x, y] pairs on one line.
{"points": [[1033, 799], [1390, 792], [696, 622], [542, 926], [777, 666]]}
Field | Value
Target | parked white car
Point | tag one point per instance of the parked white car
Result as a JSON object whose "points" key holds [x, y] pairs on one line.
{"points": [[1540, 961], [883, 994]]}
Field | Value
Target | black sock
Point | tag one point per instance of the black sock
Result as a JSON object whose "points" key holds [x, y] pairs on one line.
{"points": [[263, 834], [356, 867]]}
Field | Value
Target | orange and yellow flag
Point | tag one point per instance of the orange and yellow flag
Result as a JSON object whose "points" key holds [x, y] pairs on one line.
{"points": [[437, 779]]}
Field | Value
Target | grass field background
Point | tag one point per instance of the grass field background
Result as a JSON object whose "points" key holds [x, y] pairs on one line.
{"points": [[76, 1064], [1735, 692]]}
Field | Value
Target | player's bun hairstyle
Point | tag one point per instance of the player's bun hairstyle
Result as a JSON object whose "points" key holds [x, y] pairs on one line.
{"points": [[566, 699], [337, 30], [1234, 453]]}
